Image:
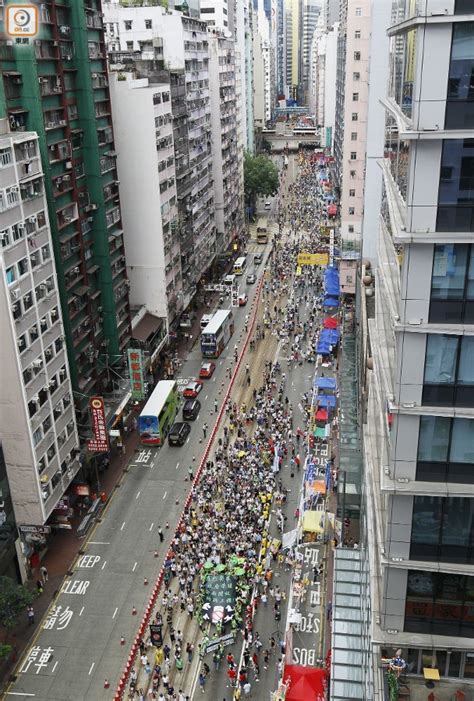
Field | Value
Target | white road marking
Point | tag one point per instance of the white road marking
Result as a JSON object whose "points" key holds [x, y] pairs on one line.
{"points": [[105, 562], [151, 527], [115, 612], [122, 526], [54, 666], [213, 379], [134, 567], [188, 439], [138, 494], [206, 397], [97, 542], [164, 495], [177, 465], [82, 609], [19, 693], [220, 362], [91, 668]]}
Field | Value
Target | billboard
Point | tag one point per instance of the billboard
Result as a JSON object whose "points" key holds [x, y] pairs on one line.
{"points": [[99, 443]]}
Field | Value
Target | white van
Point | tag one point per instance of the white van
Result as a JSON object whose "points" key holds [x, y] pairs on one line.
{"points": [[229, 280]]}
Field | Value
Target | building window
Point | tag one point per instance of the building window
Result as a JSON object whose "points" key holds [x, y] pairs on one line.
{"points": [[445, 450], [129, 45], [442, 529], [353, 155], [352, 174], [437, 602], [351, 211], [449, 371], [350, 229], [460, 101], [356, 55], [358, 12], [456, 186], [352, 193], [452, 284], [353, 136], [355, 116], [148, 24], [355, 97], [356, 76], [463, 7], [128, 25], [357, 36]]}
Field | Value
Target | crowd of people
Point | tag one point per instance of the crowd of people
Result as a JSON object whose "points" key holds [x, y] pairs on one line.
{"points": [[225, 528]]}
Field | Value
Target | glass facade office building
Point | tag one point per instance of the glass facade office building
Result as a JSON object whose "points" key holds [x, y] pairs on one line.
{"points": [[419, 431]]}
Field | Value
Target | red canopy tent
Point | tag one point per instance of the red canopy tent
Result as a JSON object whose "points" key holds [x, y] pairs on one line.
{"points": [[330, 322], [332, 210], [321, 415], [305, 683]]}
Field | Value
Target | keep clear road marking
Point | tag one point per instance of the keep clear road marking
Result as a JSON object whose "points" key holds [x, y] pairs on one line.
{"points": [[82, 609], [151, 527], [91, 668], [134, 567], [164, 495], [115, 612], [138, 494], [122, 526]]}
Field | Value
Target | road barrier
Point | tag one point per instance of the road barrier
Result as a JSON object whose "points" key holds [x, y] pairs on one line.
{"points": [[157, 586]]}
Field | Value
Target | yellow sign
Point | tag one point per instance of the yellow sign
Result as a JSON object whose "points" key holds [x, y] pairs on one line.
{"points": [[313, 258], [298, 271]]}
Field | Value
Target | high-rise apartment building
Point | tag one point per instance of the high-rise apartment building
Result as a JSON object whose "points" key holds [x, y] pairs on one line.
{"points": [[57, 86], [352, 88], [418, 435], [37, 421], [310, 10], [181, 42], [292, 42], [227, 152]]}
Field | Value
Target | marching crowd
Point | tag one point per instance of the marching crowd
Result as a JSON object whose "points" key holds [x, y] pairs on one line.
{"points": [[226, 526]]}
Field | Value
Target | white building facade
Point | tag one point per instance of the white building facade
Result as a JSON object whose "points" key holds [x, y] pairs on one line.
{"points": [[37, 421], [148, 186]]}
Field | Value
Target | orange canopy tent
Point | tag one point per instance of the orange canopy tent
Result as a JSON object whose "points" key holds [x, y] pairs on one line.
{"points": [[305, 683]]}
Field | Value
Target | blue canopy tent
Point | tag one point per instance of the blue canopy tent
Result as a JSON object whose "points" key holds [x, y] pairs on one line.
{"points": [[330, 302], [326, 400], [323, 347], [331, 281], [326, 383]]}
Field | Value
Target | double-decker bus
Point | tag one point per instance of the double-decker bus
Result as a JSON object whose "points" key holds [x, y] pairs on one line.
{"points": [[217, 333], [262, 230], [239, 265], [159, 413]]}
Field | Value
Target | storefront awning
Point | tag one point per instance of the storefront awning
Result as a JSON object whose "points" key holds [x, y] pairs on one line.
{"points": [[147, 327]]}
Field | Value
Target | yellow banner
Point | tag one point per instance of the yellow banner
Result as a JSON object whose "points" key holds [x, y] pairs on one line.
{"points": [[298, 271], [313, 258]]}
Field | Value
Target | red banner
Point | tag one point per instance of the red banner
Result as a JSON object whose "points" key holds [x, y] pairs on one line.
{"points": [[99, 443]]}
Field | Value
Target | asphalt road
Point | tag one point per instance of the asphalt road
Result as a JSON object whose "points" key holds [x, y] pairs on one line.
{"points": [[79, 643]]}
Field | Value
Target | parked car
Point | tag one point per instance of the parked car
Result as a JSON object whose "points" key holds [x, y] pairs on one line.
{"points": [[257, 259], [185, 321], [268, 205], [207, 370], [242, 300], [178, 433], [191, 409], [192, 389], [251, 279]]}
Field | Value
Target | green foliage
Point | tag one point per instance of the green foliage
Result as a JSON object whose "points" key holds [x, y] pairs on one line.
{"points": [[14, 598], [260, 177], [392, 682], [4, 651]]}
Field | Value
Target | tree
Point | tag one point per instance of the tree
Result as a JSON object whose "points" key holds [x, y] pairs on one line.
{"points": [[14, 598], [260, 178]]}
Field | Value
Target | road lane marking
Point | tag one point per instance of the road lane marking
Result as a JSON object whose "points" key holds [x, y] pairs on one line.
{"points": [[122, 526], [97, 542], [177, 465], [164, 495], [220, 362], [115, 612], [19, 693], [138, 494], [105, 562], [213, 379], [91, 668], [54, 666], [82, 609], [134, 567], [188, 440], [206, 397], [151, 527]]}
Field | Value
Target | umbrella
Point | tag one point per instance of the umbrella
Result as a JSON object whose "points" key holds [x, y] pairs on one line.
{"points": [[208, 565], [239, 571], [220, 568]]}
